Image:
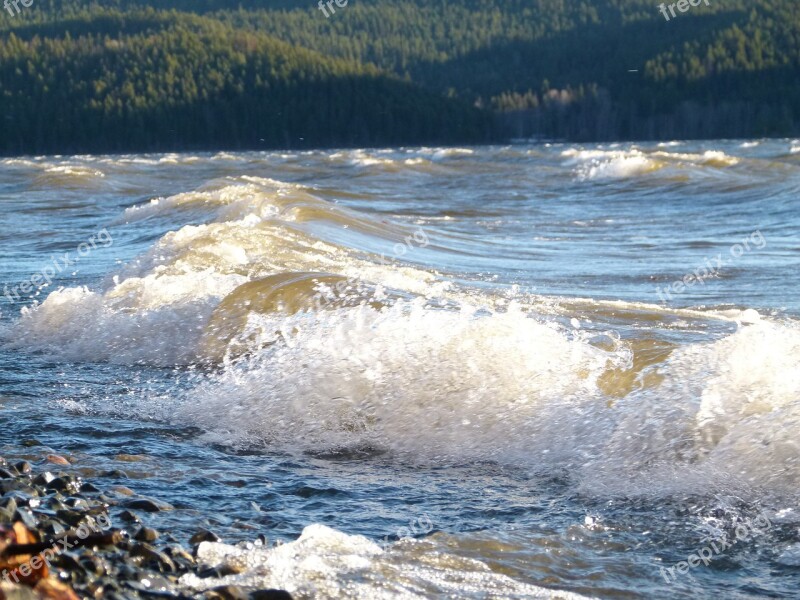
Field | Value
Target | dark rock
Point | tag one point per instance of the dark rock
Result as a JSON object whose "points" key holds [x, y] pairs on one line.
{"points": [[204, 535], [43, 478], [116, 474], [179, 555], [70, 517], [153, 558], [230, 592], [147, 505], [213, 573], [23, 467], [27, 518], [6, 516], [55, 503], [145, 534], [68, 561], [93, 564], [77, 503], [9, 503], [128, 573], [88, 488], [129, 517], [6, 474], [15, 485], [51, 528], [270, 595], [65, 484]]}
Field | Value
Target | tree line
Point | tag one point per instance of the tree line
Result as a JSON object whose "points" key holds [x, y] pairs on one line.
{"points": [[178, 74]]}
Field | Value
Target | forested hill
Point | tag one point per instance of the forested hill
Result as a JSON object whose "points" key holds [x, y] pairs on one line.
{"points": [[169, 74]]}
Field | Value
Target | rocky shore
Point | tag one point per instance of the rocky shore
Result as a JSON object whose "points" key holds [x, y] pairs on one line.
{"points": [[58, 541]]}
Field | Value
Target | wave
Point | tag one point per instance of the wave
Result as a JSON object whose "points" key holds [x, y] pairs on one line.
{"points": [[315, 342], [603, 164], [257, 228], [326, 563], [620, 164]]}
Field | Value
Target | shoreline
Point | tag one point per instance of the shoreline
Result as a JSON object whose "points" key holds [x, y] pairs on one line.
{"points": [[60, 540]]}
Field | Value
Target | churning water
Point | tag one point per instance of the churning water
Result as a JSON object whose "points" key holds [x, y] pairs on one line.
{"points": [[496, 372]]}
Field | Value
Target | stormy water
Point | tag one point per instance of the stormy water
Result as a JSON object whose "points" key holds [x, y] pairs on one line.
{"points": [[492, 372]]}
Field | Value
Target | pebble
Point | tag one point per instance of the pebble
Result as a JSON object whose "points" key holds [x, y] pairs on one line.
{"points": [[106, 565], [145, 534], [270, 595], [129, 517], [229, 592], [57, 460], [23, 467], [147, 505], [204, 535]]}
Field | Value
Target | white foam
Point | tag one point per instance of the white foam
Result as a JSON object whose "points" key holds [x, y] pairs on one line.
{"points": [[725, 415], [419, 381], [604, 164], [325, 563], [450, 387]]}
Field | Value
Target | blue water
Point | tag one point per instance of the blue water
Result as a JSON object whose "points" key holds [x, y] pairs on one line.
{"points": [[529, 396]]}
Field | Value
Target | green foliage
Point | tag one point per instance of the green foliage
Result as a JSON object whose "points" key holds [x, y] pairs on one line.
{"points": [[135, 74]]}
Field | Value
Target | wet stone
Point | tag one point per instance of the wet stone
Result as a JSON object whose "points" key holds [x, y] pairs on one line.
{"points": [[179, 555], [129, 517], [6, 474], [77, 503], [88, 488], [25, 500], [116, 474], [93, 564], [9, 503], [27, 518], [65, 484], [70, 517], [14, 485], [147, 505], [69, 561], [204, 535], [146, 534], [57, 460], [152, 557], [55, 503], [43, 478], [230, 592], [23, 467], [52, 528], [270, 595]]}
